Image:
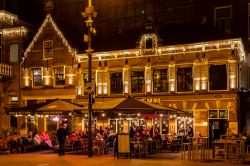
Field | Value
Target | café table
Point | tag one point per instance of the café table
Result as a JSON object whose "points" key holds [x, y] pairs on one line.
{"points": [[223, 144]]}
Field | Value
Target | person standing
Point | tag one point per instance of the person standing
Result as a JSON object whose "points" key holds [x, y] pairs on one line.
{"points": [[62, 133]]}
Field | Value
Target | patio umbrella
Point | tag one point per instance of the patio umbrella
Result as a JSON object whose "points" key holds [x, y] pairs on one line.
{"points": [[60, 105], [131, 105], [51, 107]]}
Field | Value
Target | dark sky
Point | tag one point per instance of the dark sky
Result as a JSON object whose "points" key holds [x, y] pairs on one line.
{"points": [[27, 10]]}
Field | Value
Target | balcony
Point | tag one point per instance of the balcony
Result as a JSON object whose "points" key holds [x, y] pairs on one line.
{"points": [[6, 70]]}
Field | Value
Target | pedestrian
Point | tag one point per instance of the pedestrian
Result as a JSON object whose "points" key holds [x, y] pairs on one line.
{"points": [[62, 133]]}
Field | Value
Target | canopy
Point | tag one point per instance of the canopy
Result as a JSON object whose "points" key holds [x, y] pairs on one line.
{"points": [[130, 105], [56, 106]]}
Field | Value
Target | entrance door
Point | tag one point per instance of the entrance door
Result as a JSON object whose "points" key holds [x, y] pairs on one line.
{"points": [[217, 127]]}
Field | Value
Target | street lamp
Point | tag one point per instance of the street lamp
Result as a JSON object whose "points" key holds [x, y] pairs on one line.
{"points": [[89, 14]]}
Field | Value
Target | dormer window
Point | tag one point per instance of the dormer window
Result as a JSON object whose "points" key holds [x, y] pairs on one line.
{"points": [[48, 49], [148, 43]]}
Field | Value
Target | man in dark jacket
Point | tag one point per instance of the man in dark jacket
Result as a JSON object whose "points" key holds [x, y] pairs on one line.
{"points": [[62, 133]]}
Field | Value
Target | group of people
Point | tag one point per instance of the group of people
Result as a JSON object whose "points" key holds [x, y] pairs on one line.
{"points": [[140, 133]]}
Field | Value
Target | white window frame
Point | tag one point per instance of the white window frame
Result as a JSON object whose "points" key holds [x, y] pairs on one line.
{"points": [[44, 55], [55, 75], [32, 69]]}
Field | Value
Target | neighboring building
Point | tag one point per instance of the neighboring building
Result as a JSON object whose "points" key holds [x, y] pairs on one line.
{"points": [[13, 33]]}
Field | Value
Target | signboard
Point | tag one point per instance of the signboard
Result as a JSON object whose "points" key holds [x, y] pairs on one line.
{"points": [[123, 144]]}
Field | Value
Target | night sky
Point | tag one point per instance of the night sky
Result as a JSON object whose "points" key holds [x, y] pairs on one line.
{"points": [[27, 10]]}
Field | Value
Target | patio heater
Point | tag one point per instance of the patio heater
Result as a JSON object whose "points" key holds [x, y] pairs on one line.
{"points": [[89, 14]]}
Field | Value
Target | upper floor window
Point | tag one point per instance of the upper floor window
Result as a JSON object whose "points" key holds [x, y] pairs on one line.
{"points": [[160, 80], [137, 82], [14, 53], [59, 76], [218, 77], [116, 85], [37, 77], [184, 79], [48, 49], [223, 19]]}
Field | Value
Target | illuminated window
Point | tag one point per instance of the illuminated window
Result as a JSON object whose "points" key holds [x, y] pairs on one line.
{"points": [[116, 85], [184, 79], [13, 99], [59, 76], [223, 19], [137, 82], [218, 77], [160, 82], [14, 53], [112, 125], [48, 49], [37, 77]]}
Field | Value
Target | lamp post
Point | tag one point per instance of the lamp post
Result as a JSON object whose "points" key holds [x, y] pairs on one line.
{"points": [[89, 14]]}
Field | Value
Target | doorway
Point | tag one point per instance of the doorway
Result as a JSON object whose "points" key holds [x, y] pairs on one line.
{"points": [[217, 128]]}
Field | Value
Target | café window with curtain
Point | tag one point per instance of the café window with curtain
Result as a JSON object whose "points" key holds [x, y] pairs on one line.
{"points": [[137, 82], [116, 85], [218, 77], [37, 77], [184, 79], [59, 76], [160, 80]]}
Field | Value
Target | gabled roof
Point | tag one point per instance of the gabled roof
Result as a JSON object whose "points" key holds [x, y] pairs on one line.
{"points": [[50, 20]]}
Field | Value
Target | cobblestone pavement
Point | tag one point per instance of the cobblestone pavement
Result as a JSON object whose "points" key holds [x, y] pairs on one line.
{"points": [[77, 159]]}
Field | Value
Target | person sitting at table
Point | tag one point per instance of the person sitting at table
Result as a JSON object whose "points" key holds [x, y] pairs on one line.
{"points": [[98, 136], [46, 139], [190, 133]]}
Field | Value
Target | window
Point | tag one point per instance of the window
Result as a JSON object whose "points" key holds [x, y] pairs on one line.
{"points": [[14, 53], [184, 79], [160, 80], [116, 85], [13, 99], [37, 77], [213, 114], [48, 49], [217, 77], [137, 82], [31, 102], [223, 19], [149, 43], [112, 125], [59, 76]]}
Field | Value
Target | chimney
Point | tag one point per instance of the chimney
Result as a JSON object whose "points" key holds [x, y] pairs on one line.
{"points": [[48, 6]]}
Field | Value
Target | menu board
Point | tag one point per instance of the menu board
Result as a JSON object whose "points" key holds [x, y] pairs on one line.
{"points": [[123, 143]]}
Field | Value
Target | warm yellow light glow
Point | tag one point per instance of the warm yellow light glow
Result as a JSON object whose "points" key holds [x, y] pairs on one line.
{"points": [[7, 17], [79, 90], [50, 20], [172, 50], [105, 88], [172, 85]]}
